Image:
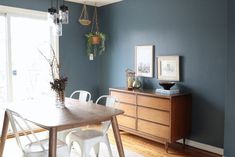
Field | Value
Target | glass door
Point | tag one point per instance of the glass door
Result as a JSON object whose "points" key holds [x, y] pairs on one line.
{"points": [[24, 72], [30, 70], [3, 59]]}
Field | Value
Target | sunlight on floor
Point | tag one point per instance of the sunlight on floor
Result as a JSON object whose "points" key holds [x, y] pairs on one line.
{"points": [[12, 149]]}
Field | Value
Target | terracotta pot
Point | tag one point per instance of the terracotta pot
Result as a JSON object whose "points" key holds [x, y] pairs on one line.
{"points": [[95, 39]]}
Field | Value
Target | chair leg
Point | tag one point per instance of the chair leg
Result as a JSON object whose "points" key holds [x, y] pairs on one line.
{"points": [[85, 151], [106, 140], [69, 142], [97, 149], [84, 154]]}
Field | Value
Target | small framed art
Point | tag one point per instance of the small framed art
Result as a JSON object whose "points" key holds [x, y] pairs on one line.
{"points": [[168, 68], [144, 60]]}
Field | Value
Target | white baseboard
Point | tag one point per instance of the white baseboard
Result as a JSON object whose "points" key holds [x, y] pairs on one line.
{"points": [[203, 146]]}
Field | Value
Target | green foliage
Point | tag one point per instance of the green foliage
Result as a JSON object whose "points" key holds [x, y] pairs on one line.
{"points": [[95, 48]]}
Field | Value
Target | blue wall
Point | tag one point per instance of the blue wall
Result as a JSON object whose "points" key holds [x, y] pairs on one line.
{"points": [[229, 137], [81, 72], [193, 29]]}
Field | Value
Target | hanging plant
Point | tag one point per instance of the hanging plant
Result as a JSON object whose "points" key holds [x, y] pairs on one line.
{"points": [[95, 39], [84, 18]]}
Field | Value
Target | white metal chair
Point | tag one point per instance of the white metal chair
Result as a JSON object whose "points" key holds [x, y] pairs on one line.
{"points": [[84, 96], [91, 138], [29, 144]]}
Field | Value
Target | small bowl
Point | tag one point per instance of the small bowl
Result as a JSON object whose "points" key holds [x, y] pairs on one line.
{"points": [[167, 85]]}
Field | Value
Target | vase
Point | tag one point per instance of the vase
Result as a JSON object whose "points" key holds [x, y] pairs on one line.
{"points": [[136, 84], [130, 77], [60, 99]]}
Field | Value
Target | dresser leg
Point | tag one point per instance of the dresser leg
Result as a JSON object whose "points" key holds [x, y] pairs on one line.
{"points": [[166, 146], [184, 142]]}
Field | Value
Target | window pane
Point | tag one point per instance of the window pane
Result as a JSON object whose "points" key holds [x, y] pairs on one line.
{"points": [[3, 75], [31, 75]]}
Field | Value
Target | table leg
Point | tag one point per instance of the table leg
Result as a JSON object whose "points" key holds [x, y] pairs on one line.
{"points": [[117, 136], [4, 133], [52, 142], [166, 146]]}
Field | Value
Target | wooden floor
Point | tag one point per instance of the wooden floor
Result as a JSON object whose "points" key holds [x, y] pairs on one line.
{"points": [[149, 148], [136, 144]]}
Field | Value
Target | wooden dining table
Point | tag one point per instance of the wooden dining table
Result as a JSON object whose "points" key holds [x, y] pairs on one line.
{"points": [[75, 114]]}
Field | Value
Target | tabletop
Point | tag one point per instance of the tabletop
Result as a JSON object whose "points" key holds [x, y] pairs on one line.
{"points": [[75, 114], [46, 115]]}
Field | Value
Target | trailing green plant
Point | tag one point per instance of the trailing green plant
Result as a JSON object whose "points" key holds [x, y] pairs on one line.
{"points": [[95, 49]]}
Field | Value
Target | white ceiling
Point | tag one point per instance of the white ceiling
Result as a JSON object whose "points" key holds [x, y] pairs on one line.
{"points": [[97, 3]]}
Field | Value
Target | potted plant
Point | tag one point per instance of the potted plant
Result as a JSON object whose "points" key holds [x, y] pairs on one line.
{"points": [[95, 43], [95, 39]]}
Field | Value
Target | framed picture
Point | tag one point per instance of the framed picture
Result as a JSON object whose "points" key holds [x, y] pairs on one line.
{"points": [[144, 60], [168, 68]]}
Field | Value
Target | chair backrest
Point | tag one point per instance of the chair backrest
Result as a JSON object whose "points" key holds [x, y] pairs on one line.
{"points": [[19, 124], [109, 101], [84, 96]]}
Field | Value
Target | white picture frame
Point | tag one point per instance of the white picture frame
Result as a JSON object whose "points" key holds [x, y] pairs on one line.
{"points": [[144, 60], [168, 68]]}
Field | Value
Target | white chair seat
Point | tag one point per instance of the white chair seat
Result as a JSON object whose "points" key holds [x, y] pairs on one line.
{"points": [[88, 139], [36, 147], [86, 134]]}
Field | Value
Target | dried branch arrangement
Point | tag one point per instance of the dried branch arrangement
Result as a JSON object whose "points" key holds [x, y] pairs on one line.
{"points": [[59, 82]]}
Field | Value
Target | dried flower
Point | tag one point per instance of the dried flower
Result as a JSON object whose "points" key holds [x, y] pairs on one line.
{"points": [[59, 84]]}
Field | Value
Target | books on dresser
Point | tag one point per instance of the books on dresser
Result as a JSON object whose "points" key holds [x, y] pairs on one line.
{"points": [[168, 92]]}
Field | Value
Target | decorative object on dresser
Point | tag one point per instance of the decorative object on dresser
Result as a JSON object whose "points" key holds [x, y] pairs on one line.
{"points": [[168, 92], [161, 118], [137, 83], [167, 88], [144, 60], [130, 77], [168, 70], [167, 85]]}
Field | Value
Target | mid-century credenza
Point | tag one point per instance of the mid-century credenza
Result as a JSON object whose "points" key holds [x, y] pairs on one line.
{"points": [[161, 118]]}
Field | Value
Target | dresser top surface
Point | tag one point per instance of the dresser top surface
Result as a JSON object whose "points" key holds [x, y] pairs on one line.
{"points": [[149, 92]]}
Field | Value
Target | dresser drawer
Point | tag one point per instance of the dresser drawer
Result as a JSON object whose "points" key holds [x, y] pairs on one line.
{"points": [[162, 117], [157, 103], [129, 110], [124, 97], [126, 121], [153, 129]]}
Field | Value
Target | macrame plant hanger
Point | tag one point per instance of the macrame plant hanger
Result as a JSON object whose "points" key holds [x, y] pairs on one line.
{"points": [[95, 28], [84, 18]]}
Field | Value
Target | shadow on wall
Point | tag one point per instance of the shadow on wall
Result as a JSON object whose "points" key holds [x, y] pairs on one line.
{"points": [[202, 108]]}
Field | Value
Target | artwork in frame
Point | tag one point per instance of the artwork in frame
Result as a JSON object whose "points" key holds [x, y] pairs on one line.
{"points": [[144, 60], [168, 68]]}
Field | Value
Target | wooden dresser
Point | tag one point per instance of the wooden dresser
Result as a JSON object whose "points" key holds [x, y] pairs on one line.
{"points": [[161, 118]]}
